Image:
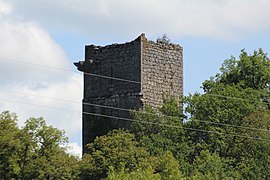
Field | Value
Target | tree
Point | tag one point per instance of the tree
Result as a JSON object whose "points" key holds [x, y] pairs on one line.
{"points": [[119, 155], [254, 154], [219, 117], [231, 118], [118, 149], [161, 130], [142, 174], [163, 167], [10, 145], [34, 151], [168, 167], [210, 166], [250, 71], [45, 157]]}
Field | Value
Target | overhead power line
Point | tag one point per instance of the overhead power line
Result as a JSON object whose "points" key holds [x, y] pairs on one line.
{"points": [[114, 78], [143, 112], [69, 70], [237, 98], [162, 115], [145, 122], [172, 126], [10, 60], [129, 110], [40, 96], [38, 105]]}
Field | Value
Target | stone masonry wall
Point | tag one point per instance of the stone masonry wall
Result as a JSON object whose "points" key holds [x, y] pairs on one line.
{"points": [[117, 60], [120, 61], [157, 66], [95, 125], [162, 71]]}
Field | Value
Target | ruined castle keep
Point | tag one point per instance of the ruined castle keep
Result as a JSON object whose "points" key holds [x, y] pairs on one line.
{"points": [[126, 76]]}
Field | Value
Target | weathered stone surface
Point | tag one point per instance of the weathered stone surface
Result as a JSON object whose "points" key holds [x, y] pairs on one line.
{"points": [[156, 67]]}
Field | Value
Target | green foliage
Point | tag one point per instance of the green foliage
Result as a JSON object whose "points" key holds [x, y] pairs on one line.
{"points": [[163, 132], [119, 155], [163, 167], [142, 174], [168, 167], [154, 121], [34, 151], [212, 112], [118, 149], [45, 156], [165, 121], [211, 166], [9, 146], [254, 159], [233, 117], [250, 71], [172, 107]]}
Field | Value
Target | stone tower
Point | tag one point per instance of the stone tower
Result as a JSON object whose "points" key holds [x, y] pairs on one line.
{"points": [[126, 76]]}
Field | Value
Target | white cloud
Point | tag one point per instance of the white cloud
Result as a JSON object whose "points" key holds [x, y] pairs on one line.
{"points": [[5, 8], [25, 86], [59, 103], [23, 41], [103, 19], [75, 149]]}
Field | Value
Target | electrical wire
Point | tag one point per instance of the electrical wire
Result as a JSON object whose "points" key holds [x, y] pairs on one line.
{"points": [[166, 125], [237, 98], [69, 70], [114, 78], [40, 96], [139, 121], [38, 105], [33, 64], [144, 112]]}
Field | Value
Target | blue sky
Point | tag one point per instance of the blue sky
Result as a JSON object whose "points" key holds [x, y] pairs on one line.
{"points": [[53, 33]]}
